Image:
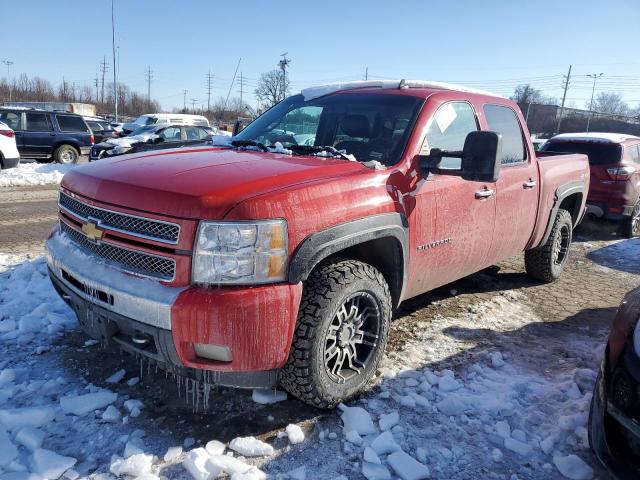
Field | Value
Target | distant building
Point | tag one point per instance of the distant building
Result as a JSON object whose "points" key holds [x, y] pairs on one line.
{"points": [[88, 109]]}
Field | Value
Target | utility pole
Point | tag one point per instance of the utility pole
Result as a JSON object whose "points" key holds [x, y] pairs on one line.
{"points": [[284, 63], [595, 76], [115, 75], [209, 78], [193, 105], [8, 63], [104, 66], [366, 73], [242, 83], [149, 76], [97, 82], [567, 79], [233, 81], [184, 100]]}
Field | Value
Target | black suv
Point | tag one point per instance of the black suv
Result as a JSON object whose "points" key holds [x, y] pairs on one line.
{"points": [[48, 136]]}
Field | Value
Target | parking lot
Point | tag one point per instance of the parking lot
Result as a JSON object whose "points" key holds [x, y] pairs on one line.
{"points": [[550, 338]]}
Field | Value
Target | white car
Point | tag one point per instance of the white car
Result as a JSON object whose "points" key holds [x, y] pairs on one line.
{"points": [[9, 156], [165, 118]]}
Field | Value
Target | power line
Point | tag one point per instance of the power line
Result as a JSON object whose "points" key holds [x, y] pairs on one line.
{"points": [[149, 76], [209, 78], [104, 67]]}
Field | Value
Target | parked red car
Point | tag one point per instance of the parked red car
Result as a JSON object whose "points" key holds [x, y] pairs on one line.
{"points": [[614, 417], [266, 262], [614, 160]]}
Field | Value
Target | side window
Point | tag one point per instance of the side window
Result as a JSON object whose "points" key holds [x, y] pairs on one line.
{"points": [[38, 122], [504, 121], [12, 119], [635, 152], [70, 123], [448, 130], [95, 126], [171, 134], [195, 133]]}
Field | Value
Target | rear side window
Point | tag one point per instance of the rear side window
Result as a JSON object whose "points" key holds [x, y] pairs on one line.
{"points": [[598, 153], [504, 121], [95, 126], [12, 119], [69, 123], [195, 133], [38, 122], [448, 130]]}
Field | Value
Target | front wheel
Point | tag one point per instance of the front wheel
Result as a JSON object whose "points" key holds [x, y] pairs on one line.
{"points": [[547, 261], [632, 224], [341, 333], [66, 154]]}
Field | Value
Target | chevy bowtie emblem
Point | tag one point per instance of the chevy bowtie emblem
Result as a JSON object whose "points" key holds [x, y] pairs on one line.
{"points": [[92, 231]]}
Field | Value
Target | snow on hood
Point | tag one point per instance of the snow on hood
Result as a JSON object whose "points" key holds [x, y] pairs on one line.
{"points": [[131, 140], [322, 90]]}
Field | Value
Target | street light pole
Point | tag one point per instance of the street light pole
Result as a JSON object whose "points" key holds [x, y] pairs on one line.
{"points": [[113, 46], [8, 63], [595, 76]]}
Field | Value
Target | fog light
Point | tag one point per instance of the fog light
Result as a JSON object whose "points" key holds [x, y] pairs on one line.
{"points": [[220, 353]]}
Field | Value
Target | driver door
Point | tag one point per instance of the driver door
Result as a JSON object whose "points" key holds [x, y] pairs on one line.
{"points": [[454, 218]]}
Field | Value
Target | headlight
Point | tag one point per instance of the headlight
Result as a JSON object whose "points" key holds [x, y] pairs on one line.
{"points": [[117, 150], [240, 252]]}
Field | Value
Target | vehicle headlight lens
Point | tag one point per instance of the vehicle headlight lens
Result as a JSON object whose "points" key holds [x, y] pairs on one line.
{"points": [[240, 252]]}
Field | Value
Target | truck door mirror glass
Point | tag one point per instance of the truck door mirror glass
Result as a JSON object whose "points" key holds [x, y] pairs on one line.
{"points": [[481, 156]]}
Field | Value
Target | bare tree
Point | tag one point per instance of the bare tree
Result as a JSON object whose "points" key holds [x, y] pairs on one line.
{"points": [[610, 102], [525, 95], [273, 87]]}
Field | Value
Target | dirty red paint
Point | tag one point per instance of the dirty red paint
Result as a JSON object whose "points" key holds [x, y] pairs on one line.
{"points": [[313, 194]]}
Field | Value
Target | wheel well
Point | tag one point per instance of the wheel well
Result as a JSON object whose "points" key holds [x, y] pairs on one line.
{"points": [[61, 144], [572, 204], [385, 254]]}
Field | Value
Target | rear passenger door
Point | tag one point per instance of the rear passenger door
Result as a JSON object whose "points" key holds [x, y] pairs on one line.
{"points": [[517, 186], [38, 135]]}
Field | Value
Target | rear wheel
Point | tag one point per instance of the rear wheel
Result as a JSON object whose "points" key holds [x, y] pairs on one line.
{"points": [[340, 335], [66, 154], [632, 224], [547, 261]]}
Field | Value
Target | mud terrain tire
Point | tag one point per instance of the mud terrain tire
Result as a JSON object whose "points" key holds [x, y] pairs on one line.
{"points": [[547, 261], [343, 322]]}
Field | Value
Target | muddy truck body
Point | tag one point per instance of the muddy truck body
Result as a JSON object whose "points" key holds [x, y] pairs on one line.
{"points": [[278, 259]]}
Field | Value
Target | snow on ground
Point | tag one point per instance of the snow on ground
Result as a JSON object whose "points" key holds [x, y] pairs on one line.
{"points": [[27, 174], [441, 407], [619, 255]]}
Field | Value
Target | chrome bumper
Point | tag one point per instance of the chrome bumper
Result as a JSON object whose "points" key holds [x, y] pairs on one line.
{"points": [[99, 283]]}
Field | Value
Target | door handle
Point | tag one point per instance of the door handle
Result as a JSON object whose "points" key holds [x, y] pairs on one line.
{"points": [[529, 184], [484, 193]]}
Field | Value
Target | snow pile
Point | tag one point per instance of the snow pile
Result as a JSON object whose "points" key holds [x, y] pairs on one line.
{"points": [[31, 174]]}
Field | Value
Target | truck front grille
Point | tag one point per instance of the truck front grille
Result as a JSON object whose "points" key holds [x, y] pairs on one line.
{"points": [[141, 263], [165, 232]]}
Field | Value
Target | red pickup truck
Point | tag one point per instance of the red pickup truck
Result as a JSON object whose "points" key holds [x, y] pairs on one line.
{"points": [[278, 258]]}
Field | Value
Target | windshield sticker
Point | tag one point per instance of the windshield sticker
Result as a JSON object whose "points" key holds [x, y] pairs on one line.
{"points": [[445, 117]]}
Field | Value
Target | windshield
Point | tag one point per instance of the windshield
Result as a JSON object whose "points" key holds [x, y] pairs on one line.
{"points": [[144, 120], [141, 130], [371, 127], [598, 153]]}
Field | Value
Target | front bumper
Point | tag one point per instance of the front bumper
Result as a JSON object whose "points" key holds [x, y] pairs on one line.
{"points": [[255, 325], [613, 434]]}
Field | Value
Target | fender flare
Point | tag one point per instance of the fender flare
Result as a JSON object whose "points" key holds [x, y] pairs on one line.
{"points": [[562, 192], [320, 245]]}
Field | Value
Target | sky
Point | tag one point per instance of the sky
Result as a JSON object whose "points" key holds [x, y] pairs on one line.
{"points": [[489, 44]]}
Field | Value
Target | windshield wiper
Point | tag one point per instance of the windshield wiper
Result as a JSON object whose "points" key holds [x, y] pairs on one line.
{"points": [[316, 149], [249, 143]]}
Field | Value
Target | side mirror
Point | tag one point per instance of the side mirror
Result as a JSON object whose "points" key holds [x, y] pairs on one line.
{"points": [[237, 128], [481, 156]]}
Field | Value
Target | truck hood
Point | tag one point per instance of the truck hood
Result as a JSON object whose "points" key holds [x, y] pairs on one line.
{"points": [[197, 183]]}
